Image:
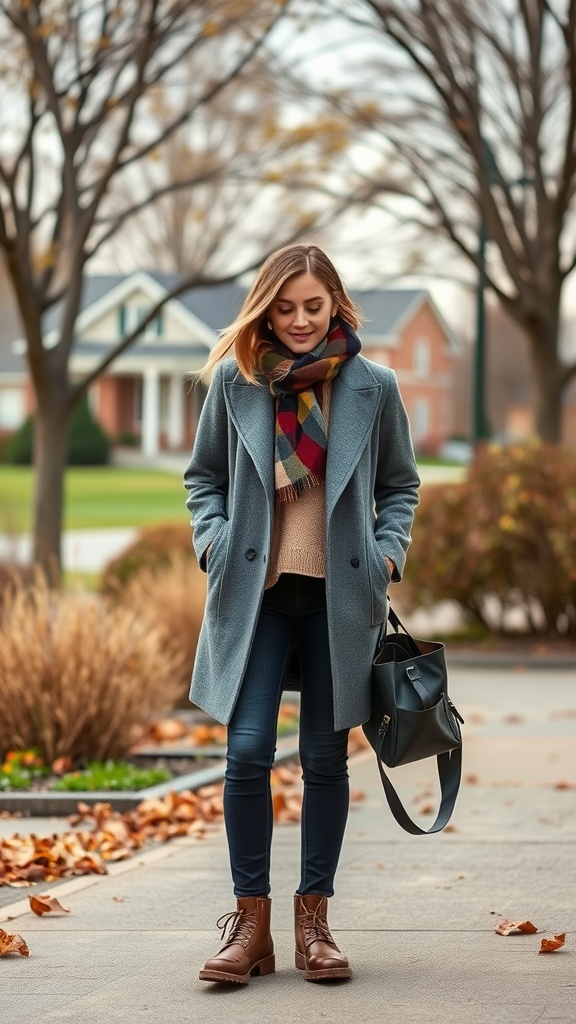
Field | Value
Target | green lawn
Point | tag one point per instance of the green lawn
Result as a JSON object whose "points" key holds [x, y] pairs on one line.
{"points": [[97, 497]]}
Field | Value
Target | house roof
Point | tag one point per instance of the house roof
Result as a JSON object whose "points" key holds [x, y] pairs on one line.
{"points": [[385, 309], [210, 309], [215, 305]]}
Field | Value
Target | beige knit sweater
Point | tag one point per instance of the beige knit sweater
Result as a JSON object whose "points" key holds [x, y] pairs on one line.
{"points": [[299, 532]]}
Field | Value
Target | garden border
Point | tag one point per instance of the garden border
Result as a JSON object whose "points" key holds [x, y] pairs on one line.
{"points": [[47, 804]]}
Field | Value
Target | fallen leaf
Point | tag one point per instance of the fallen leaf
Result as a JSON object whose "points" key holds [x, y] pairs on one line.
{"points": [[168, 729], [564, 785], [204, 735], [471, 780], [12, 944], [515, 928], [513, 719], [45, 904], [551, 945], [427, 808], [357, 795]]}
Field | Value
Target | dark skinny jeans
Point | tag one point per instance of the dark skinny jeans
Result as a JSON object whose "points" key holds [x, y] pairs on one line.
{"points": [[294, 607]]}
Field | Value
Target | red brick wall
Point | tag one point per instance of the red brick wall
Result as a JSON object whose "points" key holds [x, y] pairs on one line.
{"points": [[115, 404], [427, 391]]}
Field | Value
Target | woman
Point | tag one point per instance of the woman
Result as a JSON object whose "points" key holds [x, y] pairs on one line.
{"points": [[302, 492]]}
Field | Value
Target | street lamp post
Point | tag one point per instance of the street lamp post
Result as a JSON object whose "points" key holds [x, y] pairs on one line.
{"points": [[480, 431], [480, 425]]}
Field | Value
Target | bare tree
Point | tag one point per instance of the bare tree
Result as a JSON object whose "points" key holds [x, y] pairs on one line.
{"points": [[473, 103], [79, 88], [263, 169]]}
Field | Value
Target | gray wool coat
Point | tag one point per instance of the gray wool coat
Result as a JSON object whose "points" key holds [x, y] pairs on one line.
{"points": [[371, 494]]}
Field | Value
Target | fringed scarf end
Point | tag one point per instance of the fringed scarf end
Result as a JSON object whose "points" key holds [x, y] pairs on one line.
{"points": [[291, 492]]}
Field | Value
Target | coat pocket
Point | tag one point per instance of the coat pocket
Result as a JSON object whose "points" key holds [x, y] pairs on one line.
{"points": [[379, 582], [217, 547]]}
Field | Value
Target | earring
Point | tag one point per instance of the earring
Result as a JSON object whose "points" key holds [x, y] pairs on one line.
{"points": [[269, 325]]}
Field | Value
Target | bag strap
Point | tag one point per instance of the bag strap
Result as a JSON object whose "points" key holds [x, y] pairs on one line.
{"points": [[395, 622], [449, 765], [449, 773]]}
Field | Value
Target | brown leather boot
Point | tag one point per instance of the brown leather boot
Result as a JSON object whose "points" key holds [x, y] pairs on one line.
{"points": [[316, 952], [248, 949]]}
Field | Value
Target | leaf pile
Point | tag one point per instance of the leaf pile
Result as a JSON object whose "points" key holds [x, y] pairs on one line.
{"points": [[109, 836], [286, 783]]}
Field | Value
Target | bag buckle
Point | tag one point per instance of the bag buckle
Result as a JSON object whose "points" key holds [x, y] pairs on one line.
{"points": [[413, 673], [454, 710], [384, 725]]}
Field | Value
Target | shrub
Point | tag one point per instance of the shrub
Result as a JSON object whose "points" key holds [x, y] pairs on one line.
{"points": [[18, 447], [503, 540], [127, 439], [88, 443], [79, 678], [172, 597], [152, 548]]}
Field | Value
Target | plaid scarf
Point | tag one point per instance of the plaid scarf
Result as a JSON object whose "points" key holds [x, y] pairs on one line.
{"points": [[300, 455]]}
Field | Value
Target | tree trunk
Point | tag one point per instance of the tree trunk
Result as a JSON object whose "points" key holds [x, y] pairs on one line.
{"points": [[546, 378], [50, 446]]}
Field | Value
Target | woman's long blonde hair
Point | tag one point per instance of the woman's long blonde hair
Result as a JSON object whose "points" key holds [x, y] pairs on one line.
{"points": [[249, 332]]}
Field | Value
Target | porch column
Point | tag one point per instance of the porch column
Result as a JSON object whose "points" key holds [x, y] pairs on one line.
{"points": [[151, 411], [175, 424]]}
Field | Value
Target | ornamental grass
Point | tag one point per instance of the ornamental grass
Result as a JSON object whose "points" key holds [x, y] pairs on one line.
{"points": [[79, 677], [172, 595]]}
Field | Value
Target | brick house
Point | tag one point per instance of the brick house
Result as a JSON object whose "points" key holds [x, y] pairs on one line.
{"points": [[146, 393], [405, 330]]}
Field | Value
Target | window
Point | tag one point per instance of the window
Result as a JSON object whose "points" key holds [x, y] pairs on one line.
{"points": [[129, 316], [421, 419], [422, 357], [12, 410]]}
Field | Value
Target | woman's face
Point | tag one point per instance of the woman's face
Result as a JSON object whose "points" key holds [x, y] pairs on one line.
{"points": [[300, 314]]}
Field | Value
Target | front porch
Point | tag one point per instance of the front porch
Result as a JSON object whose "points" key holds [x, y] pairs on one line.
{"points": [[153, 411]]}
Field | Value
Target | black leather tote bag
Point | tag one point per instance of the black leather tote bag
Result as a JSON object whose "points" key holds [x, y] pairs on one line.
{"points": [[412, 717]]}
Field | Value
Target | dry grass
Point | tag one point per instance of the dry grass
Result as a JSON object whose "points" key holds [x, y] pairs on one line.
{"points": [[172, 597], [79, 677]]}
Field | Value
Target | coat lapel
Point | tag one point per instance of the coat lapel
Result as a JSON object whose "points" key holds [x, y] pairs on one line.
{"points": [[251, 409], [355, 400]]}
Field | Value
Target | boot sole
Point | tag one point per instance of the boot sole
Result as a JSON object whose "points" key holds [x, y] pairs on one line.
{"points": [[321, 975], [265, 966]]}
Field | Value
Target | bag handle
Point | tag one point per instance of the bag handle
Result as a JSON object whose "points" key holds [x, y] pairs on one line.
{"points": [[395, 622], [449, 773]]}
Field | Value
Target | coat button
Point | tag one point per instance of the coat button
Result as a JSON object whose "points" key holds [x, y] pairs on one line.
{"points": [[355, 563], [250, 554]]}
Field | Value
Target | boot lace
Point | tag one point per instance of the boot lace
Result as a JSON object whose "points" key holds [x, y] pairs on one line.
{"points": [[239, 926], [315, 927]]}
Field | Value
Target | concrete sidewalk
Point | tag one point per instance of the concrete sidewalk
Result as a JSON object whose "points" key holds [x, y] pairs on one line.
{"points": [[415, 915]]}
